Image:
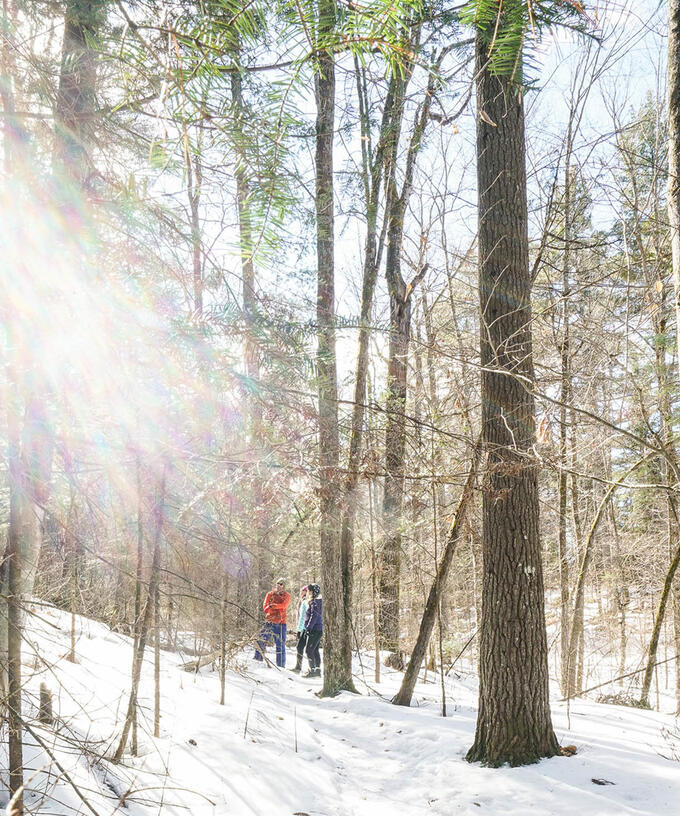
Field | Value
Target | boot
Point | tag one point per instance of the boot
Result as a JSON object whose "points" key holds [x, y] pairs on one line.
{"points": [[313, 673], [298, 665]]}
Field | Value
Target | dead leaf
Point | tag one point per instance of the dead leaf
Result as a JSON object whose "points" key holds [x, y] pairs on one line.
{"points": [[484, 116]]}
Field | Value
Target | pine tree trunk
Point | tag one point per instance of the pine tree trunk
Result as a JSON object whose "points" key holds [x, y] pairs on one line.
{"points": [[337, 675], [565, 398], [513, 724]]}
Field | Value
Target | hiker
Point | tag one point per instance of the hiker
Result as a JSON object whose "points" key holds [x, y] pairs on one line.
{"points": [[275, 605], [314, 629], [301, 634]]}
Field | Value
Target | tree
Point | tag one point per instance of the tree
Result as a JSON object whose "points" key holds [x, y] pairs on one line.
{"points": [[513, 723], [337, 674], [674, 207]]}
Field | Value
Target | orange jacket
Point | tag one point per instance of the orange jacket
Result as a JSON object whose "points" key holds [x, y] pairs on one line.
{"points": [[275, 604]]}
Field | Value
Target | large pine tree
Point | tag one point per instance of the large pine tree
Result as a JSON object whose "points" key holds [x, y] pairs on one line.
{"points": [[513, 724]]}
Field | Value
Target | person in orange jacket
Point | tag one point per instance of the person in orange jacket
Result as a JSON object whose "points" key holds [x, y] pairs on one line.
{"points": [[275, 625]]}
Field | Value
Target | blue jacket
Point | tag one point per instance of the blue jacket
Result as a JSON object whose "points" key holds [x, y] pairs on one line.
{"points": [[313, 616]]}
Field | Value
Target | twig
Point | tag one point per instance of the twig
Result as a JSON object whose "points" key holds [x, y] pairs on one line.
{"points": [[60, 767], [460, 653], [245, 727], [615, 679]]}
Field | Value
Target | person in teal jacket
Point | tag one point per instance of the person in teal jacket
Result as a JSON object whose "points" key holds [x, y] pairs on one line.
{"points": [[301, 634]]}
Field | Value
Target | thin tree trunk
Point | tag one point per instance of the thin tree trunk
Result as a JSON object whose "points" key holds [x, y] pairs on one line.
{"points": [[194, 175], [11, 567], [223, 638], [565, 398], [156, 661], [513, 724], [72, 549], [146, 620], [139, 579], [622, 592], [656, 629], [397, 366], [674, 148], [372, 175]]}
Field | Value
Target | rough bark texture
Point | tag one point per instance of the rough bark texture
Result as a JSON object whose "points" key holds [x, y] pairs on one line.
{"points": [[513, 724], [337, 675]]}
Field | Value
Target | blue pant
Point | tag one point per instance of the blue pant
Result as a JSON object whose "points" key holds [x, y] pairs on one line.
{"points": [[278, 632]]}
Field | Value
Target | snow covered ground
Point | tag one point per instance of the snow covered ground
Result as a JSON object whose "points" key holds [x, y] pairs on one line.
{"points": [[276, 748]]}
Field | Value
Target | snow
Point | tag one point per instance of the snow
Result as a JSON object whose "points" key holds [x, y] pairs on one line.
{"points": [[276, 748]]}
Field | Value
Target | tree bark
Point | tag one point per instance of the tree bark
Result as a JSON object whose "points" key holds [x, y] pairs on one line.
{"points": [[513, 724], [337, 675]]}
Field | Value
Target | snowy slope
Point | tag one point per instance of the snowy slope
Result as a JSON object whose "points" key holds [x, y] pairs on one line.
{"points": [[356, 755]]}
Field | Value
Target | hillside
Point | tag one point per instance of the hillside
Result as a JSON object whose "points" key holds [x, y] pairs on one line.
{"points": [[274, 747]]}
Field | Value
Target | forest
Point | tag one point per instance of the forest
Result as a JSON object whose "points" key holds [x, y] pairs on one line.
{"points": [[375, 295]]}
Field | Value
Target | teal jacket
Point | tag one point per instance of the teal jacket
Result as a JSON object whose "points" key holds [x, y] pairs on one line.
{"points": [[302, 610]]}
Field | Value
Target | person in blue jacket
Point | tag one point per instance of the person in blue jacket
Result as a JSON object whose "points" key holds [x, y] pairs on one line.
{"points": [[314, 629], [301, 634]]}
